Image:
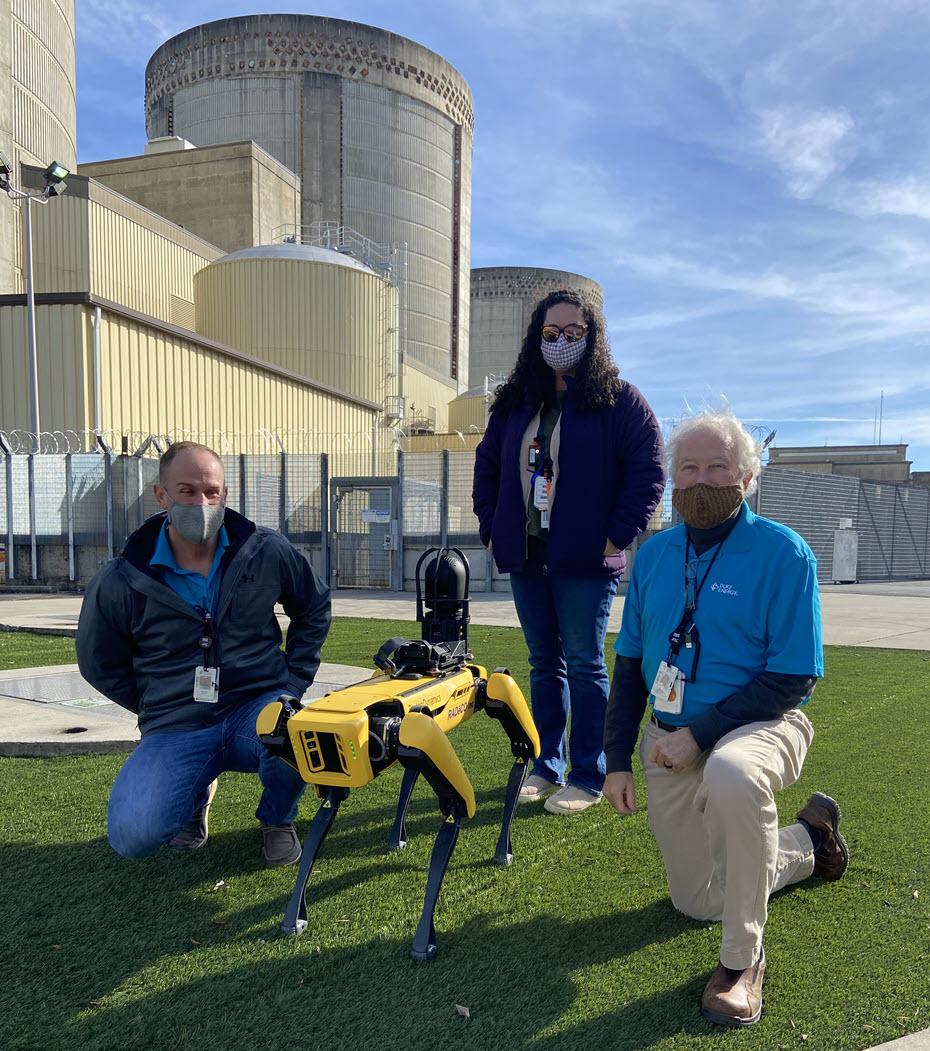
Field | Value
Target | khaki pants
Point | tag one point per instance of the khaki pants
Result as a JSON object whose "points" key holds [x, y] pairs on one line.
{"points": [[717, 827]]}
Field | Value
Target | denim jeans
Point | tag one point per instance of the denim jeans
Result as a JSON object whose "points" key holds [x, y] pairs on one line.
{"points": [[165, 780], [564, 621]]}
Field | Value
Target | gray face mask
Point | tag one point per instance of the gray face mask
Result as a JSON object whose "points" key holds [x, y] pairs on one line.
{"points": [[197, 523]]}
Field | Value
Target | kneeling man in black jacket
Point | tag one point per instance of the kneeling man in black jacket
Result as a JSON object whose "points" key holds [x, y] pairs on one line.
{"points": [[181, 629]]}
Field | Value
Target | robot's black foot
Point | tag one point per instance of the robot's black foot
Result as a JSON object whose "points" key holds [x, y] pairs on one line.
{"points": [[426, 955]]}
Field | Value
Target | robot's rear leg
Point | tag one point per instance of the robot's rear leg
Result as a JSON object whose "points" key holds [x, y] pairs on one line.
{"points": [[295, 916]]}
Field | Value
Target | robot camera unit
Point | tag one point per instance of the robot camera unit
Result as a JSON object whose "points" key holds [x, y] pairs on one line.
{"points": [[420, 690]]}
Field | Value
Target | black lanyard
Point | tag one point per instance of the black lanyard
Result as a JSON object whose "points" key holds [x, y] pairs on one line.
{"points": [[207, 638], [687, 633]]}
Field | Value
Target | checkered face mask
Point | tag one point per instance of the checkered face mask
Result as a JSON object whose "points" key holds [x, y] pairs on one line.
{"points": [[563, 355]]}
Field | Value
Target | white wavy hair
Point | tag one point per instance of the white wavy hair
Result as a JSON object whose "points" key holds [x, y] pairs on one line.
{"points": [[735, 437]]}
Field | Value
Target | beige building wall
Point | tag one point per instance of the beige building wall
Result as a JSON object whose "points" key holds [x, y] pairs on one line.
{"points": [[37, 106], [877, 463], [431, 443], [162, 383], [309, 310], [468, 412], [62, 376], [94, 240], [233, 196], [427, 395], [156, 379]]}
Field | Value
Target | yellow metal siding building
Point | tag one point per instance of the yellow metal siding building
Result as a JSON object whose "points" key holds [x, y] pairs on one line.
{"points": [[309, 310], [113, 280]]}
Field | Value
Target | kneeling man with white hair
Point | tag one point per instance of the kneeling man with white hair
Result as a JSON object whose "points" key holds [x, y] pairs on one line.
{"points": [[721, 635]]}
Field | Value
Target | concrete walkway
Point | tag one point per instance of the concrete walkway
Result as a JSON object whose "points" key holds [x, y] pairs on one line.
{"points": [[889, 615]]}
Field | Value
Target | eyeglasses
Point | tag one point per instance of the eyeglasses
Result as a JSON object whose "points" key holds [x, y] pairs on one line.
{"points": [[551, 333]]}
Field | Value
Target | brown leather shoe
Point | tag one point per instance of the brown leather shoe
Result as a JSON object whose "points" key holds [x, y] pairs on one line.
{"points": [[734, 998], [823, 813]]}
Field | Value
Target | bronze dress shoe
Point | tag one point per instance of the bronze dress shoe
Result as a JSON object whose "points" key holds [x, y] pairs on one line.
{"points": [[823, 813], [734, 998]]}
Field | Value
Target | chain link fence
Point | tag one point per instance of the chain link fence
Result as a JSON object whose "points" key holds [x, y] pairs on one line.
{"points": [[62, 516]]}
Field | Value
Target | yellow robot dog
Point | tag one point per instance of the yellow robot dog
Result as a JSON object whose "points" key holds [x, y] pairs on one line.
{"points": [[422, 690]]}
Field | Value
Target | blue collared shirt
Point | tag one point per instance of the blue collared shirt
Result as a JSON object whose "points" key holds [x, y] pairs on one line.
{"points": [[758, 611], [195, 589]]}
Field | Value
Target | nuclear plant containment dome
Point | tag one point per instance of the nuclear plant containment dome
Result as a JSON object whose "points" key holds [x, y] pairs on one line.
{"points": [[502, 302], [378, 128]]}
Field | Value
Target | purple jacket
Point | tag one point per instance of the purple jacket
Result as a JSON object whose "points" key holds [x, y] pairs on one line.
{"points": [[610, 479]]}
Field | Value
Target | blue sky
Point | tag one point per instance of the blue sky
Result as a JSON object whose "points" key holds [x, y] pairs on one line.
{"points": [[750, 182]]}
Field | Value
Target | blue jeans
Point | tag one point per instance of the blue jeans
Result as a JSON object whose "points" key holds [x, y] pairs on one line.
{"points": [[164, 782], [564, 621]]}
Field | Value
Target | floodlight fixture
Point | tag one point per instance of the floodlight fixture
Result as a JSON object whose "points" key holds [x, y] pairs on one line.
{"points": [[55, 175], [55, 172]]}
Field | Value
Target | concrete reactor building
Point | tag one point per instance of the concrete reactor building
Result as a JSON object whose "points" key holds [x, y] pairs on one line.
{"points": [[502, 301], [37, 106], [378, 129]]}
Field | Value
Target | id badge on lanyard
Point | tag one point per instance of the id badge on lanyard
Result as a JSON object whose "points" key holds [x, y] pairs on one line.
{"points": [[207, 675]]}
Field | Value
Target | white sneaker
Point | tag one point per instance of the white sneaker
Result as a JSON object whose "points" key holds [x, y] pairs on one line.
{"points": [[536, 788], [571, 800]]}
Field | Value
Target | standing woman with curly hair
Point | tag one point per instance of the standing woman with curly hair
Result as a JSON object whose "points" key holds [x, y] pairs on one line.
{"points": [[566, 476]]}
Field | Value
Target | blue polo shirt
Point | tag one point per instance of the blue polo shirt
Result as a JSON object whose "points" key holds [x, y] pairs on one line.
{"points": [[758, 610], [196, 590]]}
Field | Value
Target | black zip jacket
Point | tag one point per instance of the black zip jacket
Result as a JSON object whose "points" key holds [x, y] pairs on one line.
{"points": [[138, 642]]}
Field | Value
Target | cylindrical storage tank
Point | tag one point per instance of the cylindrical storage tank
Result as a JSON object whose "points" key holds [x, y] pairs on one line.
{"points": [[38, 121], [313, 311], [378, 128], [502, 301], [468, 412]]}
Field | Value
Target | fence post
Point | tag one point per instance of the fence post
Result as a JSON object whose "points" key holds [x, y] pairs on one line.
{"points": [[444, 501], [10, 550], [282, 496], [33, 549], [69, 506], [324, 516], [397, 584], [140, 486], [242, 477], [108, 489]]}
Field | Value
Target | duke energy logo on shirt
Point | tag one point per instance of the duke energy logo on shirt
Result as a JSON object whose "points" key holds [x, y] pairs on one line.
{"points": [[724, 589]]}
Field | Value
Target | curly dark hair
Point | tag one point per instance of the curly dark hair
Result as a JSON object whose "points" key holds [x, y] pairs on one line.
{"points": [[597, 380]]}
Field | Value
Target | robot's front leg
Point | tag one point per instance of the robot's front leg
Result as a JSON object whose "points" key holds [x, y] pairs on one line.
{"points": [[295, 916], [503, 853], [503, 700], [426, 749], [398, 838]]}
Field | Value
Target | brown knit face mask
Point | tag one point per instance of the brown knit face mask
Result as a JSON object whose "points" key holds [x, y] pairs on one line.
{"points": [[705, 506]]}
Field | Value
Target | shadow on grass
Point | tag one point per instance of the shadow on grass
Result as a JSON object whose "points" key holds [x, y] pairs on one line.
{"points": [[133, 959]]}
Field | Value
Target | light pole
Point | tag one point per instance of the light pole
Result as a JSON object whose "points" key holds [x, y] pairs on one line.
{"points": [[55, 185]]}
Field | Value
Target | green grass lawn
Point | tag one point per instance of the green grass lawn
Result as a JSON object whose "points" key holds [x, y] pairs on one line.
{"points": [[576, 946]]}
